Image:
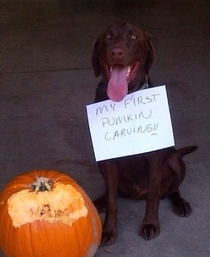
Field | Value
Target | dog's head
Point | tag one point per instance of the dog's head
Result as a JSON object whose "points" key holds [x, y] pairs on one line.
{"points": [[123, 54]]}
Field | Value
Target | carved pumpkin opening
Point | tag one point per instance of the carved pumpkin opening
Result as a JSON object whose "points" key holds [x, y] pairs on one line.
{"points": [[57, 203]]}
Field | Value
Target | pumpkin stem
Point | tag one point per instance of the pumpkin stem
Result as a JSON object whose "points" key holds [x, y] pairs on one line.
{"points": [[42, 184]]}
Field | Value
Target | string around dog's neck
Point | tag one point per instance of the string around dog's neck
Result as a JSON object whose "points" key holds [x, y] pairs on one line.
{"points": [[145, 85]]}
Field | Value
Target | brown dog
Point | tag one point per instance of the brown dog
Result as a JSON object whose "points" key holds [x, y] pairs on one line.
{"points": [[123, 54]]}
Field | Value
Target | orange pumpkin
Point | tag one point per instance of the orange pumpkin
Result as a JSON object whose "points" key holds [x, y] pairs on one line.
{"points": [[47, 214]]}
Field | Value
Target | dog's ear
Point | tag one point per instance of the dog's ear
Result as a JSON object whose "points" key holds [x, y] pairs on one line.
{"points": [[151, 53], [95, 60]]}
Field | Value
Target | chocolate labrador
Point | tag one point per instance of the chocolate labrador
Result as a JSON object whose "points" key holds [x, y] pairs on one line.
{"points": [[123, 54]]}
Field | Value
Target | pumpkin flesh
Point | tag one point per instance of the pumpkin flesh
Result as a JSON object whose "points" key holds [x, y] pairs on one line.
{"points": [[62, 204]]}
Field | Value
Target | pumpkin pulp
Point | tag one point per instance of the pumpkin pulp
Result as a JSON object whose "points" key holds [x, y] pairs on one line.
{"points": [[46, 201]]}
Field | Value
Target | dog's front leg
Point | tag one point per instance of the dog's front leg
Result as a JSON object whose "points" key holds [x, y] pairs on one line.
{"points": [[150, 226], [110, 173]]}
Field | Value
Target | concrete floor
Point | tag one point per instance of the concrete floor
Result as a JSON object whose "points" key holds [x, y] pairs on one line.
{"points": [[47, 80]]}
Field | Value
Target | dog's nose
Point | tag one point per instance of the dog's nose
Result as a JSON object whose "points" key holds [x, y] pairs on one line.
{"points": [[116, 53]]}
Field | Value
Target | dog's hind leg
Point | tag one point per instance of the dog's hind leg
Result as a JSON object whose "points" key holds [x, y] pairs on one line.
{"points": [[100, 203]]}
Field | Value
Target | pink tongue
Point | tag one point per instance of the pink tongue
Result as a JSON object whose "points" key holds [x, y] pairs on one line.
{"points": [[118, 85]]}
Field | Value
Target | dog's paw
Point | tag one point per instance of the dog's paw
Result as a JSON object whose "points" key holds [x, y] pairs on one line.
{"points": [[108, 237], [149, 231], [181, 207]]}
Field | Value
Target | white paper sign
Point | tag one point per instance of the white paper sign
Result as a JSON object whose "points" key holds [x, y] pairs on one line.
{"points": [[139, 123]]}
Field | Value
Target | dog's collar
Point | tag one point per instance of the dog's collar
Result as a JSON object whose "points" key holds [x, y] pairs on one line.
{"points": [[141, 86], [145, 85]]}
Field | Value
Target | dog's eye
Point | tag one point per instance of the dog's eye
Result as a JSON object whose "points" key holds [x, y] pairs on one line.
{"points": [[108, 36], [134, 37]]}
